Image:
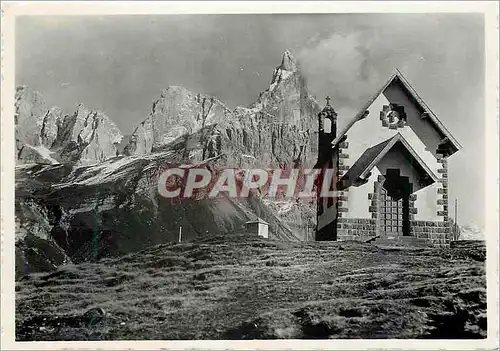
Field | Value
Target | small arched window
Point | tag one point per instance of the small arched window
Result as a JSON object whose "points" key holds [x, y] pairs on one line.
{"points": [[327, 125]]}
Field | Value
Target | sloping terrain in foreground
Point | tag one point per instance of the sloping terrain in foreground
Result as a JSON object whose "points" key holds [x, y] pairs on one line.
{"points": [[252, 288], [76, 214]]}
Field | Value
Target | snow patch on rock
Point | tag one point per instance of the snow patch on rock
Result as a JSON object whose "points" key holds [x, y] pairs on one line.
{"points": [[471, 232]]}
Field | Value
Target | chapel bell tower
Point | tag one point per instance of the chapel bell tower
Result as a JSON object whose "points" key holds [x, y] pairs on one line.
{"points": [[327, 120], [327, 160]]}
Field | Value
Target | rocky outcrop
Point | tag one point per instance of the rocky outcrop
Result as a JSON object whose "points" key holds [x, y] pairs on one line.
{"points": [[44, 135], [114, 208], [30, 109], [175, 113], [87, 137], [95, 204], [36, 251], [50, 126], [277, 130]]}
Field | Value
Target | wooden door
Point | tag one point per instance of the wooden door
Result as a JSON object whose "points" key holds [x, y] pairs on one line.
{"points": [[391, 215]]}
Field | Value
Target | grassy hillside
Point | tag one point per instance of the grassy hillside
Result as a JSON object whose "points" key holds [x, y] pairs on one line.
{"points": [[77, 214], [252, 288]]}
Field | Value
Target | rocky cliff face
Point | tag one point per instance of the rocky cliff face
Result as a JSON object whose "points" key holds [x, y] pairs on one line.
{"points": [[95, 204], [87, 137], [114, 208], [278, 129], [175, 113], [36, 250], [45, 135]]}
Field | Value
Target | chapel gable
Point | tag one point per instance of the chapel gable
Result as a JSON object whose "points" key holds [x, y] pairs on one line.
{"points": [[391, 167]]}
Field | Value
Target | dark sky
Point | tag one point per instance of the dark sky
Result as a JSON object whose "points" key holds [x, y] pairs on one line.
{"points": [[119, 64]]}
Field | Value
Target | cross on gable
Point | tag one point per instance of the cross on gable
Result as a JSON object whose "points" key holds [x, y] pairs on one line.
{"points": [[328, 100]]}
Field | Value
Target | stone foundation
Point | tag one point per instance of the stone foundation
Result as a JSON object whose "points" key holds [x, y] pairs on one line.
{"points": [[355, 229], [436, 233]]}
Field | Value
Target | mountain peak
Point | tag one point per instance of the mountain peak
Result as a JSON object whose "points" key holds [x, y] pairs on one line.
{"points": [[288, 62], [288, 68]]}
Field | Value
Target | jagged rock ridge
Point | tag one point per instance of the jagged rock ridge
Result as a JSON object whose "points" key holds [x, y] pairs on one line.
{"points": [[45, 135], [176, 113], [278, 129], [113, 207]]}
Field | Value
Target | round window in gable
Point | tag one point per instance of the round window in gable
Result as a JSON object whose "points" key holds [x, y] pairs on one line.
{"points": [[393, 116]]}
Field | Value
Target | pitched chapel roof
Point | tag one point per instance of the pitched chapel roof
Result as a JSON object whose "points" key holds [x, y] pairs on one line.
{"points": [[370, 158], [257, 220], [397, 75]]}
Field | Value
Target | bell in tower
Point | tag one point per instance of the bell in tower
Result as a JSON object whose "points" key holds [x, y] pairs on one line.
{"points": [[327, 119]]}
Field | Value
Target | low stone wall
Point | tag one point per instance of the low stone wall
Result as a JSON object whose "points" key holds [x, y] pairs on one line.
{"points": [[355, 228], [433, 232], [436, 233]]}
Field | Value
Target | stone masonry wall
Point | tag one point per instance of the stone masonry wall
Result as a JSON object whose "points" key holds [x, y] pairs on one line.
{"points": [[436, 233], [362, 229], [432, 232], [342, 168], [355, 229]]}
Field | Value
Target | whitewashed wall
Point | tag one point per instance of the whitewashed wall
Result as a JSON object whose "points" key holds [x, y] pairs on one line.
{"points": [[423, 139], [426, 204], [423, 128], [358, 201], [264, 230]]}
